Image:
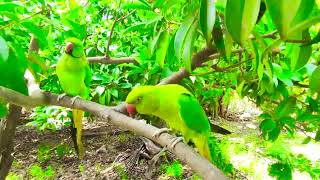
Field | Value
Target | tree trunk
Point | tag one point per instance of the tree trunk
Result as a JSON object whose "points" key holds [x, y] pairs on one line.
{"points": [[7, 133]]}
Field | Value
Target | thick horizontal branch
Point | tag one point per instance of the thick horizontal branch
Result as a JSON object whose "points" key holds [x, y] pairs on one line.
{"points": [[185, 153], [107, 60]]}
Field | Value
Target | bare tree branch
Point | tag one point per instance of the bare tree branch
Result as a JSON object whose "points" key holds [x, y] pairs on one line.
{"points": [[185, 153]]}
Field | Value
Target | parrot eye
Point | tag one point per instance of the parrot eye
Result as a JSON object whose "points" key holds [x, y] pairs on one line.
{"points": [[139, 99]]}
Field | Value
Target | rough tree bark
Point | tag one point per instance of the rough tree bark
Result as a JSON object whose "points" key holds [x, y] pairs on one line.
{"points": [[185, 153], [7, 132]]}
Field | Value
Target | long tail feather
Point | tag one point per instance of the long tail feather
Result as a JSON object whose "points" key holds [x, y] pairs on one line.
{"points": [[73, 133], [202, 144], [77, 120]]}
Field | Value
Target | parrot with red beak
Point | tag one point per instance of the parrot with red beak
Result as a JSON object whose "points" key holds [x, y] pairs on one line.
{"points": [[75, 77], [178, 108]]}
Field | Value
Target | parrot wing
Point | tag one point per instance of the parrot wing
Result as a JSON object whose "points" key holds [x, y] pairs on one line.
{"points": [[193, 114], [88, 76]]}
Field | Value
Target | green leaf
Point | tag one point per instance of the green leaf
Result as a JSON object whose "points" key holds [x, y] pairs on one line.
{"points": [[285, 108], [269, 129], [274, 134], [181, 35], [4, 50], [37, 32], [152, 44], [314, 84], [314, 40], [299, 55], [281, 171], [282, 14], [313, 104], [268, 125], [114, 92], [12, 71], [228, 44], [218, 38], [163, 46], [240, 18], [184, 40], [306, 140], [288, 121], [207, 18], [304, 11]]}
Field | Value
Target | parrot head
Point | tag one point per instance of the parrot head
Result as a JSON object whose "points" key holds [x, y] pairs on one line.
{"points": [[142, 99], [74, 47]]}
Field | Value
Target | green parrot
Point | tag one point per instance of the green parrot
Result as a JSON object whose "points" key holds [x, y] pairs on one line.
{"points": [[75, 76], [178, 108]]}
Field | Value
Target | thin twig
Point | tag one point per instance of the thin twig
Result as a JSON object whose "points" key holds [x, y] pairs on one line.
{"points": [[219, 69]]}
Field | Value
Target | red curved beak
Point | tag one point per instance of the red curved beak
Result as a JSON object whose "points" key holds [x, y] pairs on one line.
{"points": [[131, 109], [69, 48]]}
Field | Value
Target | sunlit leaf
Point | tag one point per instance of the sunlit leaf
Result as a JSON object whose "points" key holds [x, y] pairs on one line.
{"points": [[163, 46], [207, 18], [240, 18], [282, 13], [184, 40], [12, 71]]}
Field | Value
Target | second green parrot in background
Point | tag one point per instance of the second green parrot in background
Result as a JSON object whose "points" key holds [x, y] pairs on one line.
{"points": [[178, 108], [75, 76]]}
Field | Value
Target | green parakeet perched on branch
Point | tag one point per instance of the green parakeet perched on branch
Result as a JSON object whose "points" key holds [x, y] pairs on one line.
{"points": [[178, 107], [75, 76]]}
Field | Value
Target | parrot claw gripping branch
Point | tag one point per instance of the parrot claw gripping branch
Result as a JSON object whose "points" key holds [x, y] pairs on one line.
{"points": [[158, 133]]}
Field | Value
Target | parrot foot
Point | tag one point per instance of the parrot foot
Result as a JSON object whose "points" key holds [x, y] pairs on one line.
{"points": [[61, 96], [159, 132], [174, 142], [158, 155], [74, 99]]}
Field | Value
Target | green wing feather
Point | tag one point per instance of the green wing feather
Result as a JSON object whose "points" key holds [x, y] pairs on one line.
{"points": [[193, 114]]}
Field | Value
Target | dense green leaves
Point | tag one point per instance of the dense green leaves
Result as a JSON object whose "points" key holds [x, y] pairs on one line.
{"points": [[207, 18], [240, 18], [184, 40]]}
